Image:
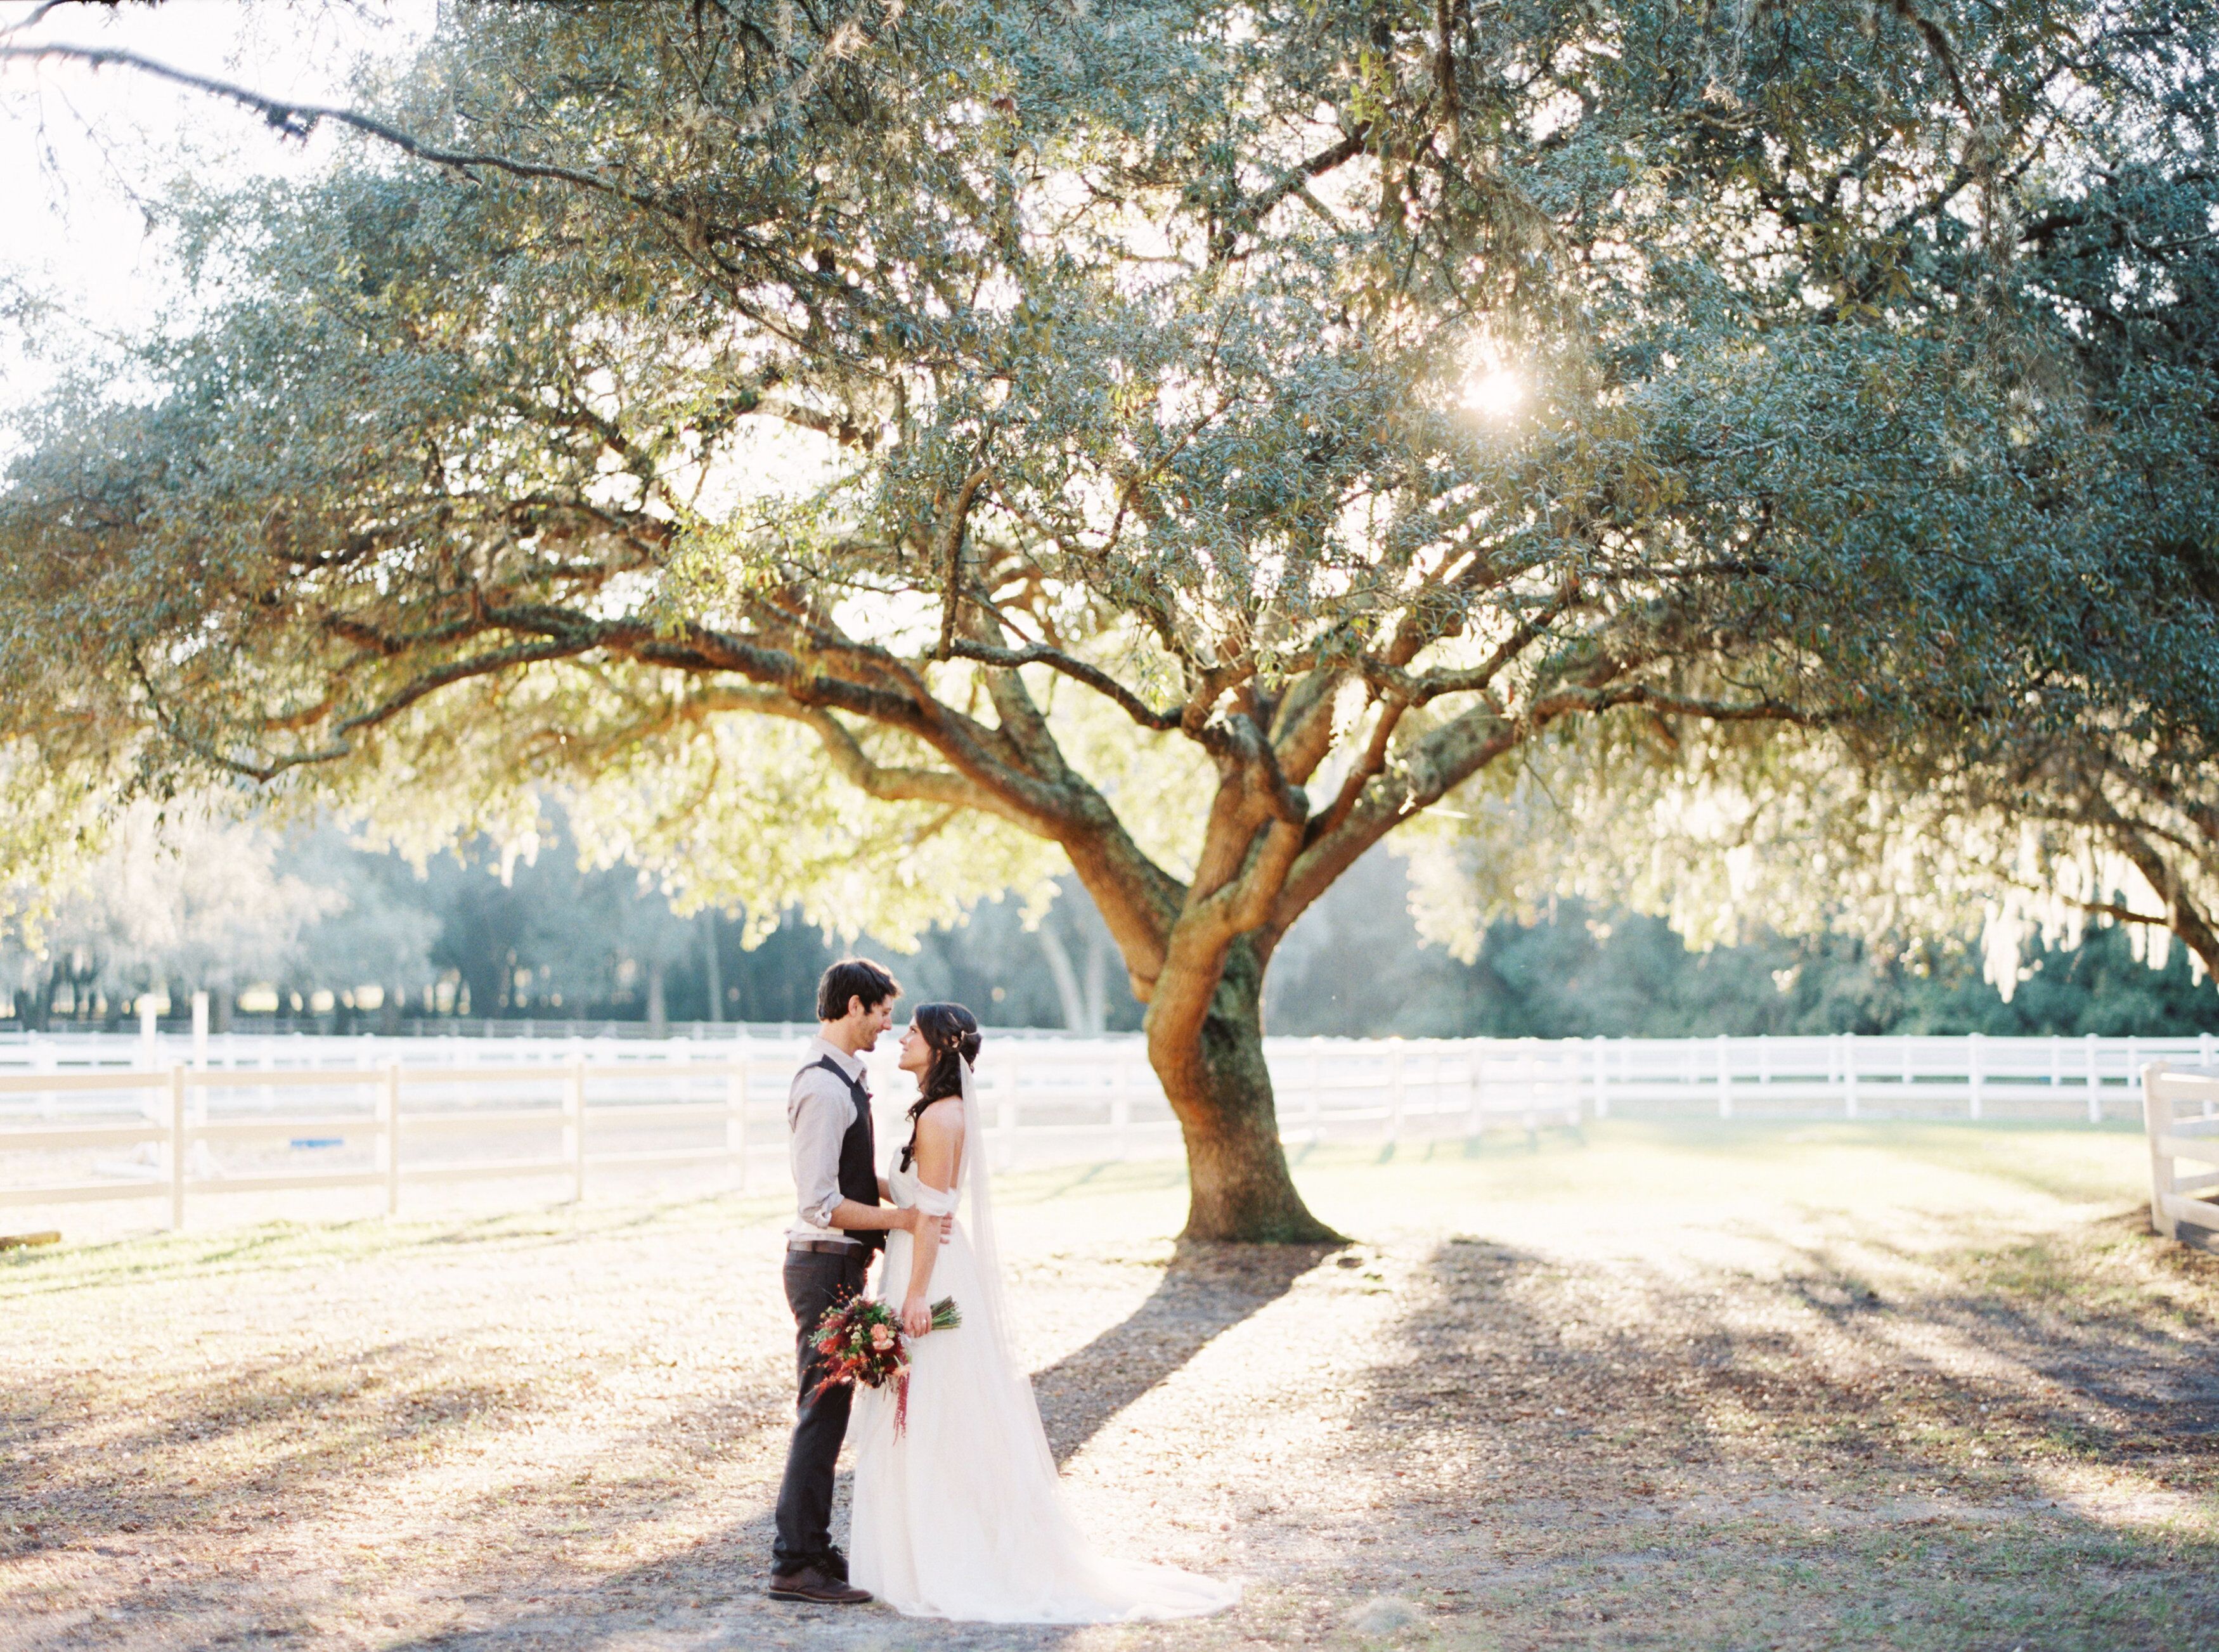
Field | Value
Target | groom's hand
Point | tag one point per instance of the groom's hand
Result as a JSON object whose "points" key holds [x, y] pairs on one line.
{"points": [[922, 1224]]}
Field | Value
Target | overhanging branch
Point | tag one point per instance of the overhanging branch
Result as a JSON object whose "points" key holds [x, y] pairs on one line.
{"points": [[887, 782], [294, 119], [1071, 666]]}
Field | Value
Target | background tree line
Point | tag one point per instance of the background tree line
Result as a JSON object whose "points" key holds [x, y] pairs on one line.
{"points": [[305, 929]]}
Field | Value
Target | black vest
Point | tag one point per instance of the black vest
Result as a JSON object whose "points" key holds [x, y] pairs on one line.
{"points": [[858, 1155]]}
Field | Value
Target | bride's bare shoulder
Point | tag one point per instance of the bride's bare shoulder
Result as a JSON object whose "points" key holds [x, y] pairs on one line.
{"points": [[943, 1118]]}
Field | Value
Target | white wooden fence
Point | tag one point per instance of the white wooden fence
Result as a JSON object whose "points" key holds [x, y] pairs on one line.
{"points": [[89, 1118], [2166, 1095]]}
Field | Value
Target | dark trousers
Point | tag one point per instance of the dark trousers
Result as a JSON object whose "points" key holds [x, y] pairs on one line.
{"points": [[814, 1281]]}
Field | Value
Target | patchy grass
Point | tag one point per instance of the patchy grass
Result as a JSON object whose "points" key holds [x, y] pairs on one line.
{"points": [[1687, 1387]]}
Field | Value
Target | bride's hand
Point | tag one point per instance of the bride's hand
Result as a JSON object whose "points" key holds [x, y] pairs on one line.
{"points": [[916, 1317]]}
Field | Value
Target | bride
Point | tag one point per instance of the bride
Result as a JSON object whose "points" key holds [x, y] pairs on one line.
{"points": [[960, 1516]]}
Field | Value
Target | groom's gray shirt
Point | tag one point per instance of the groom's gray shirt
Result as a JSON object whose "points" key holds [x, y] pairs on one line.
{"points": [[819, 1108]]}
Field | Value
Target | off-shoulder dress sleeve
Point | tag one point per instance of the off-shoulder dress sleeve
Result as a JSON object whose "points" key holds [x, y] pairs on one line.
{"points": [[933, 1202], [929, 1199]]}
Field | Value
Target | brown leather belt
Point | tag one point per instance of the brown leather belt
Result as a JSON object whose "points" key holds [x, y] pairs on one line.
{"points": [[831, 1247]]}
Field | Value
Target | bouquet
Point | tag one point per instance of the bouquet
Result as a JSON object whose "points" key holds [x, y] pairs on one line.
{"points": [[861, 1341]]}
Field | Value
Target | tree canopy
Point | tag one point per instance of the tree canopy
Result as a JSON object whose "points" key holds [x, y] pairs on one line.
{"points": [[1179, 441]]}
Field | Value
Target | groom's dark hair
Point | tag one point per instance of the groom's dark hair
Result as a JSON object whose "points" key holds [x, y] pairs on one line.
{"points": [[849, 979]]}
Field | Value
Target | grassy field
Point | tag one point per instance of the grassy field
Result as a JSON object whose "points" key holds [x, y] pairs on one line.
{"points": [[1725, 1387]]}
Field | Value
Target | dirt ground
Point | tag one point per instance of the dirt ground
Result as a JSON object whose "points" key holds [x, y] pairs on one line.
{"points": [[1670, 1388]]}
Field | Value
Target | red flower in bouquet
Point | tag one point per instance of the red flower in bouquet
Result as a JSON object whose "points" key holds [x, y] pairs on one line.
{"points": [[861, 1342]]}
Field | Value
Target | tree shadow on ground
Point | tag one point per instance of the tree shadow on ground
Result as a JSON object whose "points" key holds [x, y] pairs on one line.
{"points": [[1206, 1291], [1803, 1459], [1844, 1447], [319, 1414]]}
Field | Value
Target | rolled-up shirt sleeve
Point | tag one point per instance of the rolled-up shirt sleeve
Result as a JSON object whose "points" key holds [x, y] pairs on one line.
{"points": [[819, 1120]]}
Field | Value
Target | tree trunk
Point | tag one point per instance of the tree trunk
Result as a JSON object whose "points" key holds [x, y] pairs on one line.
{"points": [[1238, 1184], [716, 965]]}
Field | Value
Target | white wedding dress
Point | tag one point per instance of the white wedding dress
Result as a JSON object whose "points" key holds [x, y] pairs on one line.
{"points": [[960, 1515]]}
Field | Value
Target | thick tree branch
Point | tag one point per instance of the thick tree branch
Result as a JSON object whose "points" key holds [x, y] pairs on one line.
{"points": [[951, 558], [1362, 771], [1302, 725]]}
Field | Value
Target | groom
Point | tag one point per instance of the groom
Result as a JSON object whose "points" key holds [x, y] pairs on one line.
{"points": [[836, 1178]]}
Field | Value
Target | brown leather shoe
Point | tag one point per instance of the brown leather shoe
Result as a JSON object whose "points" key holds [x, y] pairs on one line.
{"points": [[817, 1587]]}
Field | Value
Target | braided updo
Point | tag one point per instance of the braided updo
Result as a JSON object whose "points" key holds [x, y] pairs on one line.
{"points": [[951, 1033]]}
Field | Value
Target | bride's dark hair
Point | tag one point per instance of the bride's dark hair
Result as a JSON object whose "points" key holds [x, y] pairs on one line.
{"points": [[951, 1033]]}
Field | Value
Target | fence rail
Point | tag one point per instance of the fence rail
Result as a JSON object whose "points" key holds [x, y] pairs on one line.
{"points": [[87, 1118], [2174, 1198]]}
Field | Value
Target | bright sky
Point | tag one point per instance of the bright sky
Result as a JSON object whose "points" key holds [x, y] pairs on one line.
{"points": [[78, 148]]}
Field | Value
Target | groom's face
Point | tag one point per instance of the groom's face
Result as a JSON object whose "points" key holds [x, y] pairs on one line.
{"points": [[876, 1019]]}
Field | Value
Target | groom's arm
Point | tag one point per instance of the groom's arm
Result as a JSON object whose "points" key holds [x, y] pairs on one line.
{"points": [[820, 1110], [848, 1214], [817, 1119]]}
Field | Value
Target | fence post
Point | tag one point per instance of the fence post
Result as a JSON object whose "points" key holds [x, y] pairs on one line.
{"points": [[1394, 1090], [2095, 1079], [1474, 1075], [200, 1054], [1848, 1075], [735, 1106], [574, 1132], [1006, 1116], [2157, 1123], [1976, 1072], [1120, 1111], [176, 1146], [150, 1056], [1600, 1047], [43, 1060], [1529, 1079], [392, 1146], [1726, 1079]]}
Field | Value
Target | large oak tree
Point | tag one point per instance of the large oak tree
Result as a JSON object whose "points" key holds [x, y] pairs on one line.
{"points": [[1188, 442]]}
